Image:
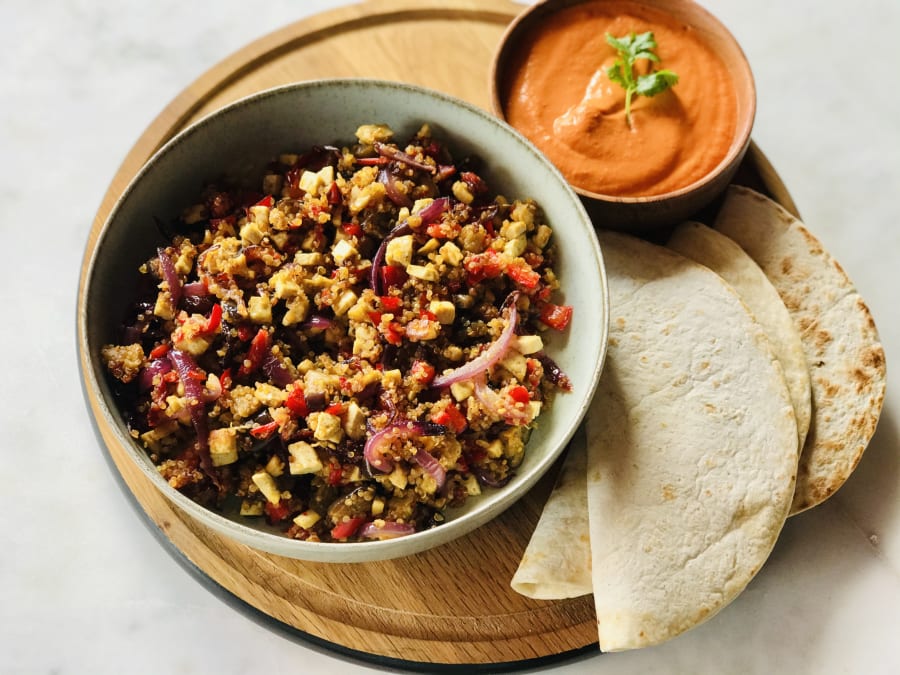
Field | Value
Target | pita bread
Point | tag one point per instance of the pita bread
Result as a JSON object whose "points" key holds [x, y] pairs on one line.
{"points": [[557, 562], [843, 353], [724, 257], [692, 448]]}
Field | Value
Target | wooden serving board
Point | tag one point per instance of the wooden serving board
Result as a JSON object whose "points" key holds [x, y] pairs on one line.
{"points": [[451, 605]]}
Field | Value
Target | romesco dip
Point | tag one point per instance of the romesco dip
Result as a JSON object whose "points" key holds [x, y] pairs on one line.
{"points": [[557, 91]]}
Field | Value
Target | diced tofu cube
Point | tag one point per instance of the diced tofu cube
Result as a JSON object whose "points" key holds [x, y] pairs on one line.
{"points": [[512, 229], [343, 250], [346, 300], [275, 466], [528, 344], [260, 309], [251, 234], [223, 446], [260, 215], [266, 484], [251, 508], [462, 390], [307, 519], [308, 258], [515, 364], [443, 310], [515, 247], [542, 236], [298, 309], [462, 193], [269, 395], [451, 254], [494, 449], [303, 459], [310, 182], [398, 251], [327, 427], [377, 506], [423, 272], [355, 422], [398, 478], [367, 134]]}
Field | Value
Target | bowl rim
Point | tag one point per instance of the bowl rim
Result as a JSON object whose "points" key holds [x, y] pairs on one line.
{"points": [[679, 9], [270, 542]]}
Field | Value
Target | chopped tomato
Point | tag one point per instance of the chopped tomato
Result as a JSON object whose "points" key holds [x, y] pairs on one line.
{"points": [[452, 418], [347, 528], [556, 316], [519, 394], [296, 402]]}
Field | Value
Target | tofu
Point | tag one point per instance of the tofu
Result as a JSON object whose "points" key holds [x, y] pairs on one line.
{"points": [[307, 519], [223, 446], [355, 422], [266, 484], [399, 251], [327, 427], [303, 459]]}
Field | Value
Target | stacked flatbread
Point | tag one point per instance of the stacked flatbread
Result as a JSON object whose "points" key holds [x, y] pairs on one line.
{"points": [[714, 374]]}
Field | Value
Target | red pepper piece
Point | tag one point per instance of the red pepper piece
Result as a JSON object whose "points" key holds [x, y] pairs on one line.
{"points": [[159, 350], [275, 513], [353, 229], [393, 276], [334, 194], [372, 161], [258, 348], [214, 320], [268, 200], [422, 372], [523, 275], [556, 316], [296, 402], [347, 528], [483, 266], [335, 474], [264, 430], [394, 334], [391, 303], [336, 409], [519, 394], [452, 418]]}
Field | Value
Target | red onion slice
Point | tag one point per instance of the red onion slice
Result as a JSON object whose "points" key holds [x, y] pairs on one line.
{"points": [[497, 405], [434, 210], [154, 368], [193, 391], [399, 156], [489, 356], [389, 529], [389, 180], [169, 275], [428, 462], [378, 258], [378, 444]]}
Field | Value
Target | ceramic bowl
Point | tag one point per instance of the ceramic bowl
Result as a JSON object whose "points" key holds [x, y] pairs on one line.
{"points": [[239, 140], [642, 214]]}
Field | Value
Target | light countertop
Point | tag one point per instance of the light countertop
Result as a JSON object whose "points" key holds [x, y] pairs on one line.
{"points": [[87, 589]]}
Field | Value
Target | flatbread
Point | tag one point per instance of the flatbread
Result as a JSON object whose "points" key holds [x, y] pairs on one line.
{"points": [[724, 257], [692, 448], [843, 353], [557, 562]]}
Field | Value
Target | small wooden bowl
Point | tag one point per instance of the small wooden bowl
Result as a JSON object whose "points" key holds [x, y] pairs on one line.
{"points": [[639, 214]]}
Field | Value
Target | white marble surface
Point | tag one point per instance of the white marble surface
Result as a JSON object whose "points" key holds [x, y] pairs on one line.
{"points": [[87, 589]]}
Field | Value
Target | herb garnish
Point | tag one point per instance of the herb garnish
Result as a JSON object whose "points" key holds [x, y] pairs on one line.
{"points": [[631, 48]]}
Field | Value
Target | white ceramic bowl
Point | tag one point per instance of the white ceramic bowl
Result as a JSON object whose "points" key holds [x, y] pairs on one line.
{"points": [[239, 140]]}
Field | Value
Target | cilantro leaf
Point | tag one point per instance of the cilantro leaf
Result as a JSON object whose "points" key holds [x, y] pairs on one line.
{"points": [[630, 48]]}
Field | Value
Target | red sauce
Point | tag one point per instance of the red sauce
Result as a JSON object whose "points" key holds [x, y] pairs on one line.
{"points": [[560, 97]]}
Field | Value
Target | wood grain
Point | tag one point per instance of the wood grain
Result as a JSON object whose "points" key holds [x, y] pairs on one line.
{"points": [[451, 605]]}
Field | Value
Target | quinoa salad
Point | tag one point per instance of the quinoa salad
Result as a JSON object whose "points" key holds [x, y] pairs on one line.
{"points": [[349, 350]]}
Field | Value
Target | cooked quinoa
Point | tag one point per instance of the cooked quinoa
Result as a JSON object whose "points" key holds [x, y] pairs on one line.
{"points": [[350, 350]]}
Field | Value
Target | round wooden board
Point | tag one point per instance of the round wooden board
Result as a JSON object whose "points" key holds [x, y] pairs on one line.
{"points": [[452, 605]]}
